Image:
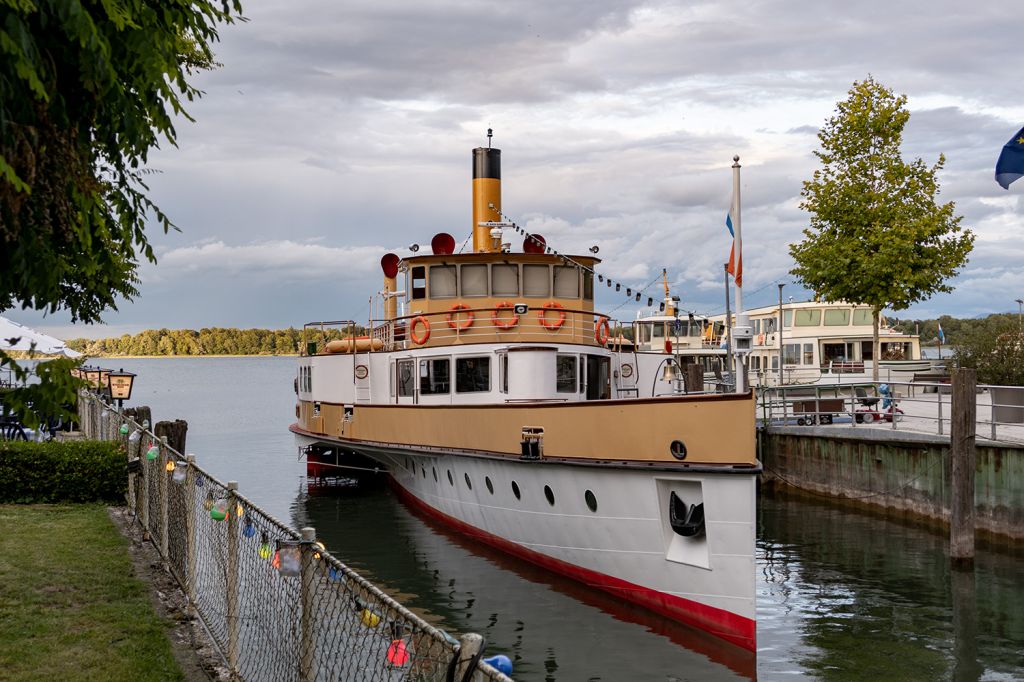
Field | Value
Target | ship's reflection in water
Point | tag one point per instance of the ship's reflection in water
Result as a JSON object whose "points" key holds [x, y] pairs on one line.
{"points": [[841, 595], [552, 628]]}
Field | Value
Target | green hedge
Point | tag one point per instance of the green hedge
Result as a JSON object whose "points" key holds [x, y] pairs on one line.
{"points": [[73, 471]]}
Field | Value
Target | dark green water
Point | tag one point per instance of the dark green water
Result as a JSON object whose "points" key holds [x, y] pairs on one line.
{"points": [[841, 595]]}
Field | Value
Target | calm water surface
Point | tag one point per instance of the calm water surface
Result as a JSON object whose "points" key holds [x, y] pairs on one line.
{"points": [[841, 595]]}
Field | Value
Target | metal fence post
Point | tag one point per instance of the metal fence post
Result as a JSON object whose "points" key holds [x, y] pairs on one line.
{"points": [[307, 654], [232, 579], [164, 505], [190, 530]]}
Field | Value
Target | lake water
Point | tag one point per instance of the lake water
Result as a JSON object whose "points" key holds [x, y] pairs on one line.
{"points": [[841, 595]]}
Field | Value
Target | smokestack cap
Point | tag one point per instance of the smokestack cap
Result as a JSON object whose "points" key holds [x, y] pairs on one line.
{"points": [[486, 163]]}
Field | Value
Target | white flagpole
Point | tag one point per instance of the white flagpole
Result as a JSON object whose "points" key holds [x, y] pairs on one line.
{"points": [[737, 231]]}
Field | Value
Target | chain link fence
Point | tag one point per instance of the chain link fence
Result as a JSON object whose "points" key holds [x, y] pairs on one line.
{"points": [[277, 605]]}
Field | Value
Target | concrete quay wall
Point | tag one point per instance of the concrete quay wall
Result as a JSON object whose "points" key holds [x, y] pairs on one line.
{"points": [[896, 471]]}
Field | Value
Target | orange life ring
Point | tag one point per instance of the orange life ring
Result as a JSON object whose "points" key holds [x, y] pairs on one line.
{"points": [[464, 324], [504, 323], [601, 331], [417, 339], [552, 324]]}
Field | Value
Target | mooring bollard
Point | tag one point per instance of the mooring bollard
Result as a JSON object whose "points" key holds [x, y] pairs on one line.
{"points": [[962, 456], [307, 651], [231, 595], [164, 504]]}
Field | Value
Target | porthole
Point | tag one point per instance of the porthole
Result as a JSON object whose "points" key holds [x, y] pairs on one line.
{"points": [[550, 495], [469, 483], [451, 481], [678, 449], [490, 486], [591, 500], [515, 490], [434, 469], [423, 471]]}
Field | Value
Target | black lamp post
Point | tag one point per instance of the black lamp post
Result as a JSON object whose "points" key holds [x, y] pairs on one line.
{"points": [[119, 386]]}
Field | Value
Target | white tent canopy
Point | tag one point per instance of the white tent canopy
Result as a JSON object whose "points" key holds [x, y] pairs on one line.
{"points": [[14, 336]]}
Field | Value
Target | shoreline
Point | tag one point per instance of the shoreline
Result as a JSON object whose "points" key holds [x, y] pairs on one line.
{"points": [[237, 355]]}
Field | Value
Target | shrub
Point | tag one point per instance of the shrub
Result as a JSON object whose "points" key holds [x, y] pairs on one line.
{"points": [[996, 353], [72, 471]]}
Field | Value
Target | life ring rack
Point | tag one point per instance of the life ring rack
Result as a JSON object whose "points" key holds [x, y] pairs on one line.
{"points": [[416, 338], [552, 325], [601, 330], [504, 323], [465, 323]]}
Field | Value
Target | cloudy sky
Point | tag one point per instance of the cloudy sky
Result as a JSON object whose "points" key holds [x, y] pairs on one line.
{"points": [[336, 131]]}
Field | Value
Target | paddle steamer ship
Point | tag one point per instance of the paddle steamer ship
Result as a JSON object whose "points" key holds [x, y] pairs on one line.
{"points": [[490, 392]]}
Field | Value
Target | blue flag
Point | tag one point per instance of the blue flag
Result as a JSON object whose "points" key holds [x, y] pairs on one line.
{"points": [[942, 337], [1010, 165]]}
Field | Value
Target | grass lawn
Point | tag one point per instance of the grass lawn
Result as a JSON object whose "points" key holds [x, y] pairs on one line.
{"points": [[70, 608]]}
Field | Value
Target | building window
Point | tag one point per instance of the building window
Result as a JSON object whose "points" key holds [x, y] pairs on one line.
{"points": [[808, 317], [472, 375], [837, 318], [537, 280], [435, 376], [418, 275], [862, 317], [406, 385], [565, 373], [791, 354], [443, 281], [567, 282], [474, 280], [808, 353], [505, 280]]}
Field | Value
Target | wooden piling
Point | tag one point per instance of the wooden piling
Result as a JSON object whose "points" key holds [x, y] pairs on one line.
{"points": [[173, 433], [470, 645], [694, 377], [962, 460], [142, 414]]}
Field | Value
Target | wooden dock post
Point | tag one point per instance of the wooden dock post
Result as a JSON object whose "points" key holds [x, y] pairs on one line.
{"points": [[470, 645], [190, 531], [694, 377], [173, 433], [231, 591], [165, 456], [962, 459], [307, 647]]}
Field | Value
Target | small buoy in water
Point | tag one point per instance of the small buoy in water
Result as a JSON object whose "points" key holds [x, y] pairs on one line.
{"points": [[369, 618], [398, 652], [501, 663]]}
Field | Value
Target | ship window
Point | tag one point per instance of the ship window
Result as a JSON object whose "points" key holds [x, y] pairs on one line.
{"points": [[837, 318], [787, 318], [591, 500], [862, 317], [451, 481], [565, 374], [434, 469], [474, 280], [536, 280], [775, 362], [588, 285], [808, 353], [567, 282], [406, 385], [435, 376], [515, 490], [769, 325], [550, 495], [503, 372], [791, 354], [808, 317], [442, 281], [757, 326], [423, 471], [419, 282], [505, 280], [490, 486], [469, 483], [472, 375]]}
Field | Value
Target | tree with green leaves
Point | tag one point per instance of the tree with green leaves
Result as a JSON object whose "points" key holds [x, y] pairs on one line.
{"points": [[878, 235], [87, 89]]}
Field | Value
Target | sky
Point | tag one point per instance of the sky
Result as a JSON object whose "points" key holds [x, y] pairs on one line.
{"points": [[336, 131]]}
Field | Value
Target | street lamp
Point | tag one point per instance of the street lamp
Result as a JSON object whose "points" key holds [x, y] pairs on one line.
{"points": [[780, 333], [104, 386], [92, 375], [119, 385]]}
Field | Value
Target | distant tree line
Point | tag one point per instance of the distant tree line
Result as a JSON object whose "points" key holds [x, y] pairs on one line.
{"points": [[956, 330], [206, 341]]}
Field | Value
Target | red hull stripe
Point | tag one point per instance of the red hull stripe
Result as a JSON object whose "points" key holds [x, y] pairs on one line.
{"points": [[719, 622]]}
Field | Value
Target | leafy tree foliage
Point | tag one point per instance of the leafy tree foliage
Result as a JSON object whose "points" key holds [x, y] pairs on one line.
{"points": [[877, 234], [996, 352], [87, 89]]}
